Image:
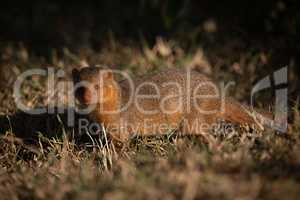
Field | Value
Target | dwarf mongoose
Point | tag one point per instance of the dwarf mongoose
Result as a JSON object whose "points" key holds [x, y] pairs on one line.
{"points": [[172, 99]]}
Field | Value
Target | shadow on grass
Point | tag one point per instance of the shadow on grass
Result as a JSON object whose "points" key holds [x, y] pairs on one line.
{"points": [[30, 127]]}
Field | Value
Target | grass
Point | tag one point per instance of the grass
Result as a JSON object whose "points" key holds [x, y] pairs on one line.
{"points": [[239, 165]]}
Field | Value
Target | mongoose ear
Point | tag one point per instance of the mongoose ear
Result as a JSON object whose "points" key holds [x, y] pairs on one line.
{"points": [[75, 75]]}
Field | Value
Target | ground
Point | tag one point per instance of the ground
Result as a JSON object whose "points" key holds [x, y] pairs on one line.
{"points": [[242, 164]]}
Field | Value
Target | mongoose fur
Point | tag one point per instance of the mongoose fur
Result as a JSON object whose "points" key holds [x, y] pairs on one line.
{"points": [[184, 109]]}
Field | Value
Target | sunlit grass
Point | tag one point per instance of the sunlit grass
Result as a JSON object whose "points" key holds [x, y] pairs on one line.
{"points": [[240, 165]]}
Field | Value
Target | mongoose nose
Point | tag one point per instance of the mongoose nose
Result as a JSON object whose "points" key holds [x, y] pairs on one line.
{"points": [[87, 97], [84, 95]]}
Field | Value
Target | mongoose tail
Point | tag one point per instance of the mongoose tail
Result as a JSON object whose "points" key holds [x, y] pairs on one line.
{"points": [[242, 114]]}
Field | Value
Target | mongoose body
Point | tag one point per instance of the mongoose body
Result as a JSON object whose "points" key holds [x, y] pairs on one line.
{"points": [[172, 99]]}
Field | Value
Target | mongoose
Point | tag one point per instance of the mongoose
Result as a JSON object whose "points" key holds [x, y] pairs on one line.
{"points": [[172, 99]]}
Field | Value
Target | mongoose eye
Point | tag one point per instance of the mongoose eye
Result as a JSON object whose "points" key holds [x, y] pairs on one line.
{"points": [[96, 87]]}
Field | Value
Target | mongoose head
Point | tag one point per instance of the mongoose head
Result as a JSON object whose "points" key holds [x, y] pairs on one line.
{"points": [[93, 85]]}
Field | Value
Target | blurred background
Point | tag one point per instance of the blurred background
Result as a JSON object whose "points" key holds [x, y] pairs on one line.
{"points": [[240, 38], [56, 24]]}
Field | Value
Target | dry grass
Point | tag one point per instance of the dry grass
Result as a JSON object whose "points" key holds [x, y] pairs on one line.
{"points": [[241, 165]]}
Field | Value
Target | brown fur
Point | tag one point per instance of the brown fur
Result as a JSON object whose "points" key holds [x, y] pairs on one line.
{"points": [[187, 118]]}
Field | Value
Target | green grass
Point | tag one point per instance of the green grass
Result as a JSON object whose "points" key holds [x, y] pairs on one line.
{"points": [[240, 165]]}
